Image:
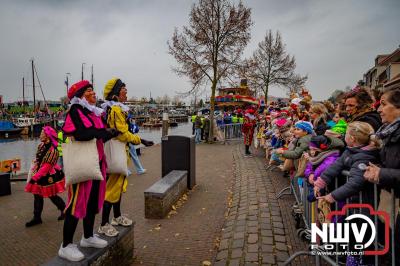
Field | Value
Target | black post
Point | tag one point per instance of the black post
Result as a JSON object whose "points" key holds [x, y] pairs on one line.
{"points": [[179, 153], [5, 184]]}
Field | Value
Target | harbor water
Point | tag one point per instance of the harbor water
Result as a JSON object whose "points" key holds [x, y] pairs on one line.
{"points": [[25, 148]]}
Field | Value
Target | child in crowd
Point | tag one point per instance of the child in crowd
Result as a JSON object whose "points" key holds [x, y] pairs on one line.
{"points": [[324, 151], [362, 148], [338, 130], [279, 139], [336, 118], [303, 131]]}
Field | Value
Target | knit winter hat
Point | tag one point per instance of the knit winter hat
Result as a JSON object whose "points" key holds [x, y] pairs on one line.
{"points": [[283, 124], [78, 88], [112, 88], [340, 127], [319, 142], [305, 126]]}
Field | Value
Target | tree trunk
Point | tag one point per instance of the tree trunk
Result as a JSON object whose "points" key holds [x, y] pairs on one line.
{"points": [[266, 93], [212, 107]]}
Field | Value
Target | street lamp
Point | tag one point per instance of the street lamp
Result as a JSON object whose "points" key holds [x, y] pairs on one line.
{"points": [[82, 69], [66, 80]]}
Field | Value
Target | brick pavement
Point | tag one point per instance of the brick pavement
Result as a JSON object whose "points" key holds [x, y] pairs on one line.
{"points": [[186, 238], [259, 229]]}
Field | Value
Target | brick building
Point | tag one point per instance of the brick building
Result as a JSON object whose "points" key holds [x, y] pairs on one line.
{"points": [[386, 72]]}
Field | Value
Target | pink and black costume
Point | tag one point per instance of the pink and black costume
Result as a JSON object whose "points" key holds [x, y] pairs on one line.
{"points": [[85, 199], [47, 177]]}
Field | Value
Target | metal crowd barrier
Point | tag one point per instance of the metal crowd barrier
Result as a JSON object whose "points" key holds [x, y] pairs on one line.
{"points": [[307, 212], [232, 131]]}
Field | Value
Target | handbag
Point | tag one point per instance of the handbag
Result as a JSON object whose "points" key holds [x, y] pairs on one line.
{"points": [[81, 161], [385, 204], [117, 160], [324, 208]]}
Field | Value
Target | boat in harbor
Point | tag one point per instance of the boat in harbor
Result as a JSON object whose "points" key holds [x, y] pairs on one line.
{"points": [[154, 122], [31, 125], [8, 129], [32, 122]]}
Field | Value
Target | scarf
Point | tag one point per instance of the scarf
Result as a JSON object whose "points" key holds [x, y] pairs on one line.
{"points": [[388, 129], [322, 156], [360, 113], [110, 104], [92, 108]]}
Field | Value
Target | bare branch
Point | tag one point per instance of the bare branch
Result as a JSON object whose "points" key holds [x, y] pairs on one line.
{"points": [[270, 65], [212, 44]]}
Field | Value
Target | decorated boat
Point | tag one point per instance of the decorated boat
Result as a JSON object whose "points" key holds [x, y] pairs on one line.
{"points": [[8, 129]]}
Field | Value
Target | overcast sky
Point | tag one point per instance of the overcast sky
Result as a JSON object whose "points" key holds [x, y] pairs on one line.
{"points": [[334, 42]]}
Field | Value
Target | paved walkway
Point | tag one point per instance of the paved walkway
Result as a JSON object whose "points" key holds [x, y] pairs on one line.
{"points": [[233, 194], [259, 229], [186, 238]]}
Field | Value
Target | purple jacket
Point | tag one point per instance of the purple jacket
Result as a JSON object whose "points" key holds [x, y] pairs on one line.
{"points": [[317, 170]]}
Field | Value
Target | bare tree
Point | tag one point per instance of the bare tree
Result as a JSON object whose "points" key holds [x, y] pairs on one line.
{"points": [[270, 65], [213, 42]]}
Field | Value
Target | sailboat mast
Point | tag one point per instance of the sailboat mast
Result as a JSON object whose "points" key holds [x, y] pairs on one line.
{"points": [[33, 85], [82, 70], [92, 77], [23, 93]]}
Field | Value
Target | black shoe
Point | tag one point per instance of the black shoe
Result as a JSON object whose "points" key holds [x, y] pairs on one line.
{"points": [[61, 217], [33, 222]]}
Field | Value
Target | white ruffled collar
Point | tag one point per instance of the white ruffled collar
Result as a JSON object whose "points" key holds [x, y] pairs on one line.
{"points": [[84, 103], [106, 104], [250, 116]]}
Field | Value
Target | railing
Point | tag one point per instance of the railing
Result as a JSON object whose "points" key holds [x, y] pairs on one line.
{"points": [[306, 212], [232, 131]]}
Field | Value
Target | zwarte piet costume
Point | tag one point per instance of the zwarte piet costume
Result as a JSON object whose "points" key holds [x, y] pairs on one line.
{"points": [[116, 183], [85, 199], [47, 177]]}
